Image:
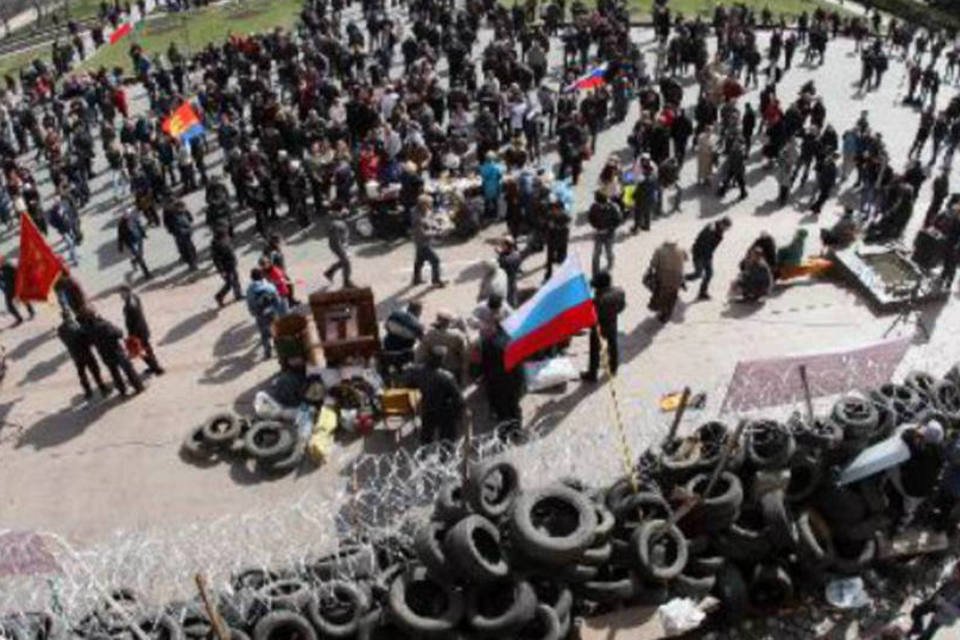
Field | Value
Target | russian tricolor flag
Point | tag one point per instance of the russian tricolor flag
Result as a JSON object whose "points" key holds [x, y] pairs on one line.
{"points": [[592, 80], [560, 308]]}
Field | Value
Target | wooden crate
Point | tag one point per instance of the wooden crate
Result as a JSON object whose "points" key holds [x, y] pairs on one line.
{"points": [[346, 322]]}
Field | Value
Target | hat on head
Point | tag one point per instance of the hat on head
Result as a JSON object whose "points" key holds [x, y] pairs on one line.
{"points": [[601, 280]]}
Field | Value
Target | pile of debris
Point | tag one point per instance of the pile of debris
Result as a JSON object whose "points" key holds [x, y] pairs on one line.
{"points": [[752, 517]]}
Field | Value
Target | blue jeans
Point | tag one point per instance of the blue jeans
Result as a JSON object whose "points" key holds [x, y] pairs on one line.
{"points": [[266, 339], [702, 267]]}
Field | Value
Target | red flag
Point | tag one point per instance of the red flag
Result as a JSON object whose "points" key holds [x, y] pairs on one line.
{"points": [[39, 266], [120, 33]]}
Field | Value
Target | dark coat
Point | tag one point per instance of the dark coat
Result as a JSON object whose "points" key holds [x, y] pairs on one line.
{"points": [[134, 318], [105, 337], [77, 341], [610, 303]]}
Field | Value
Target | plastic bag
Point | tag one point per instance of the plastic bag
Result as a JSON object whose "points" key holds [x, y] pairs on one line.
{"points": [[545, 374], [679, 616], [847, 593], [264, 406]]}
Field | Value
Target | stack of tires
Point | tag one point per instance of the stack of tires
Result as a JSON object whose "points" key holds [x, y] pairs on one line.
{"points": [[272, 445]]}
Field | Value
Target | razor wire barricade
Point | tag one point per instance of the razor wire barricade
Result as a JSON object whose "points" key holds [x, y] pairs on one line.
{"points": [[377, 498]]}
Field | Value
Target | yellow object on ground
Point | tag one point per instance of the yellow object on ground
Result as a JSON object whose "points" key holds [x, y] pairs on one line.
{"points": [[812, 267], [321, 442]]}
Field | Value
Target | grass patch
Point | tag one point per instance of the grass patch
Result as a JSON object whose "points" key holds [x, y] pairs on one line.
{"points": [[196, 29], [787, 8], [12, 62]]}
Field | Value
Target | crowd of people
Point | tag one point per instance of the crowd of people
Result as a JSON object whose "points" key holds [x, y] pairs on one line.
{"points": [[378, 114]]}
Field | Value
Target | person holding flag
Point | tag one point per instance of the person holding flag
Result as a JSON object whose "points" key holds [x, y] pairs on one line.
{"points": [[610, 301]]}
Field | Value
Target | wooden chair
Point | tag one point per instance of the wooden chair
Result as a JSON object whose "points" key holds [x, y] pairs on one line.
{"points": [[401, 407]]}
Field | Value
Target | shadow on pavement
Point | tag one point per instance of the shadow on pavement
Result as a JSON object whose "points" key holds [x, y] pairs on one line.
{"points": [[188, 326], [66, 424], [23, 349], [45, 368]]}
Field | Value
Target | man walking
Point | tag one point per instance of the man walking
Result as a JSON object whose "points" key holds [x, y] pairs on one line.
{"points": [[704, 246], [78, 345], [137, 327], [8, 279], [604, 217], [225, 262], [827, 176], [130, 235], [178, 222], [338, 239], [264, 305], [610, 302], [422, 238], [106, 338]]}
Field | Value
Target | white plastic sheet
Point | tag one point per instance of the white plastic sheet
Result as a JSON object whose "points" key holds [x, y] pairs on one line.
{"points": [[679, 616], [544, 374]]}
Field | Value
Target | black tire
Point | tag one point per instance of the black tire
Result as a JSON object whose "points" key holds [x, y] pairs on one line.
{"points": [[695, 588], [815, 540], [576, 573], [554, 524], [606, 521], [779, 527], [428, 547], [953, 375], [128, 600], [545, 625], [702, 566], [853, 557], [680, 460], [163, 627], [859, 417], [946, 396], [770, 445], [281, 625], [450, 507], [806, 472], [268, 441], [337, 609], [253, 578], [611, 585], [501, 607], [726, 498], [771, 586], [289, 594], [865, 530], [840, 505], [195, 446], [221, 430], [555, 595], [473, 548], [731, 589], [349, 562], [659, 533], [921, 381], [641, 506], [745, 540], [908, 403], [422, 606], [823, 433], [597, 555], [286, 464], [492, 487]]}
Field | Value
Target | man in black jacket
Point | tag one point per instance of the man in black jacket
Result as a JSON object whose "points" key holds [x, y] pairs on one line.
{"points": [[178, 221], [78, 345], [826, 180], [106, 338], [442, 404], [704, 247], [136, 322], [225, 261], [8, 279], [610, 301], [604, 217]]}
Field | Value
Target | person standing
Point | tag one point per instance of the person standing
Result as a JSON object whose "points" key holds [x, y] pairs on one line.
{"points": [[705, 156], [225, 262], [447, 334], [664, 278], [504, 388], [827, 175], [62, 219], [702, 252], [79, 347], [491, 179], [137, 327], [8, 279], [422, 240], [944, 605], [130, 235], [106, 337], [941, 189], [338, 239], [442, 404], [265, 305], [557, 237], [736, 169], [178, 222], [604, 217], [951, 253], [610, 301]]}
